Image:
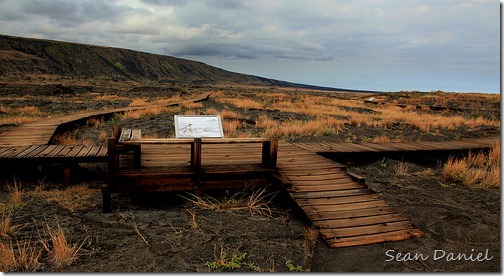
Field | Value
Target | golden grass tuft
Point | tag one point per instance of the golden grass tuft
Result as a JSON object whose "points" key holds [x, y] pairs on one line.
{"points": [[454, 169], [402, 169], [494, 157], [230, 127], [16, 193], [61, 252], [102, 136], [255, 202], [24, 258], [6, 227], [476, 170], [382, 139]]}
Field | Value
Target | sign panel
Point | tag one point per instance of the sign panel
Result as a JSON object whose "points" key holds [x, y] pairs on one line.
{"points": [[198, 126]]}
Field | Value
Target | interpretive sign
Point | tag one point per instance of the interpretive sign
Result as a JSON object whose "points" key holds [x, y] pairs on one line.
{"points": [[198, 126]]}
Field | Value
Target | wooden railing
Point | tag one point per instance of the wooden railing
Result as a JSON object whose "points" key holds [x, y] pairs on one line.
{"points": [[130, 141]]}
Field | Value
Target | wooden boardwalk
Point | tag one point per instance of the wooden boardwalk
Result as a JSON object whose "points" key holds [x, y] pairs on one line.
{"points": [[343, 210], [466, 144], [41, 132], [64, 153]]}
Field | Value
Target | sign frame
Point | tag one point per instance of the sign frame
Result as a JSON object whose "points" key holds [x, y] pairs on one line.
{"points": [[198, 126]]}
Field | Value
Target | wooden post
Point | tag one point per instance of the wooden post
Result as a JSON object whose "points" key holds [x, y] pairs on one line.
{"points": [[137, 160], [266, 153], [113, 160], [196, 153], [117, 132], [269, 153], [66, 175], [273, 153]]}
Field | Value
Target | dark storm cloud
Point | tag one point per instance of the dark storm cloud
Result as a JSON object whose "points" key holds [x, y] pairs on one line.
{"points": [[73, 13]]}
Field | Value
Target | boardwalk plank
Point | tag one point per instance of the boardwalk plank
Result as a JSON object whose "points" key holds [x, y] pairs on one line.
{"points": [[325, 194], [337, 200], [28, 150], [348, 214], [389, 236], [361, 221], [365, 230]]}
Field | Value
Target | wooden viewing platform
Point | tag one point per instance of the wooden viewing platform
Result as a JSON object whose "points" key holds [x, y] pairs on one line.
{"points": [[337, 203]]}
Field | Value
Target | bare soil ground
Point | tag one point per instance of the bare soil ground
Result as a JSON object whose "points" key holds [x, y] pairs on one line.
{"points": [[166, 232]]}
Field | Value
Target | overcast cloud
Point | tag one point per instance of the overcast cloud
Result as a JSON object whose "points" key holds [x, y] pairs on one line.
{"points": [[387, 45]]}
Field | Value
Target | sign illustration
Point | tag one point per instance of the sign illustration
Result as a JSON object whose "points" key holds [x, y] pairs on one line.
{"points": [[198, 126]]}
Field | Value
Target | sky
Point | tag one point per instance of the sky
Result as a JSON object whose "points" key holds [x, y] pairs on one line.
{"points": [[379, 45]]}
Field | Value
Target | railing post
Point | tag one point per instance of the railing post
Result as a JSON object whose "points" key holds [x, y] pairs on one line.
{"points": [[273, 153], [137, 155], [266, 153], [113, 164], [117, 132], [269, 152], [196, 153]]}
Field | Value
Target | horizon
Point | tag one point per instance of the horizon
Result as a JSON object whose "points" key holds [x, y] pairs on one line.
{"points": [[386, 46]]}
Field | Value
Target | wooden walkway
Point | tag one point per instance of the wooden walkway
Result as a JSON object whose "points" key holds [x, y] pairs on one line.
{"points": [[343, 210], [65, 153], [41, 132], [466, 144]]}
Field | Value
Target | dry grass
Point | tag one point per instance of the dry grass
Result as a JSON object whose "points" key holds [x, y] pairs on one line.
{"points": [[476, 170], [73, 198], [24, 257], [110, 98], [384, 116], [143, 113], [6, 227], [290, 129], [94, 122], [138, 102], [19, 115], [230, 127], [16, 193], [255, 202], [242, 102], [137, 230], [402, 169], [61, 252], [224, 113], [70, 138], [192, 105], [102, 136], [16, 120], [382, 139]]}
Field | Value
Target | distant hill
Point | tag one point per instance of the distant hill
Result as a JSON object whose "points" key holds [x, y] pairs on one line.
{"points": [[27, 56]]}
